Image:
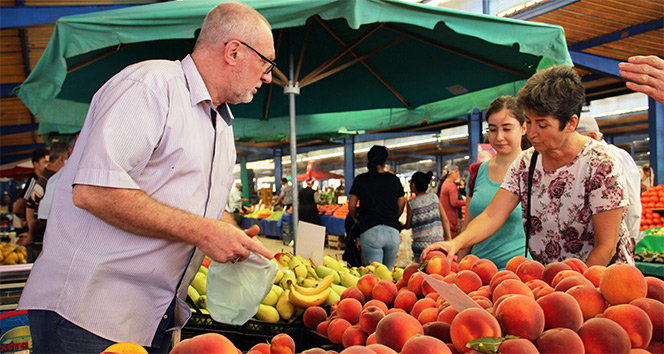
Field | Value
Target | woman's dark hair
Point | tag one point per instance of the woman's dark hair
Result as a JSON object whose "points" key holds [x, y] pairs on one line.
{"points": [[556, 91], [510, 104], [377, 156], [421, 180]]}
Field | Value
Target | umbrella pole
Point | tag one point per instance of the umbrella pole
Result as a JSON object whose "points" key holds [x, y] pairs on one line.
{"points": [[291, 90]]}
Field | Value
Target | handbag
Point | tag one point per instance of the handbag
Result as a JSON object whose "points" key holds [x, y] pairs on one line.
{"points": [[531, 172]]}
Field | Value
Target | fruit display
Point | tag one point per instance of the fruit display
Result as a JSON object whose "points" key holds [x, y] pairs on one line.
{"points": [[11, 254], [649, 257], [652, 201]]}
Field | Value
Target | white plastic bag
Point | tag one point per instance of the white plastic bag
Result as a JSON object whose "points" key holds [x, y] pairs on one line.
{"points": [[234, 290]]}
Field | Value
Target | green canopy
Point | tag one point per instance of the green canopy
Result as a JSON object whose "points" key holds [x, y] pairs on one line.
{"points": [[360, 64]]}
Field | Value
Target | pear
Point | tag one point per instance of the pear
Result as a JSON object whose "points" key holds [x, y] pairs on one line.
{"points": [[193, 294], [339, 289], [288, 275], [397, 273], [303, 260], [333, 298], [311, 272], [383, 272], [355, 272], [323, 271], [348, 280], [200, 284], [267, 313], [284, 307], [332, 263], [203, 270], [277, 278], [202, 301], [344, 270], [300, 272], [294, 262], [277, 290], [284, 260], [270, 299]]}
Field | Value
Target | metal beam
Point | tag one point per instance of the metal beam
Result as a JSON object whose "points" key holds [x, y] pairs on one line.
{"points": [[656, 143], [596, 64], [20, 128], [618, 35], [474, 133], [622, 139], [541, 9], [7, 90], [13, 158], [23, 16], [16, 148], [349, 162]]}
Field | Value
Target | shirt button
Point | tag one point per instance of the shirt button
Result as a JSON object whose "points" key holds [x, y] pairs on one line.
{"points": [[165, 317]]}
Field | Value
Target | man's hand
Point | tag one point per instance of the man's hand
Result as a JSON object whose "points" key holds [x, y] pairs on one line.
{"points": [[24, 239], [648, 74], [225, 242]]}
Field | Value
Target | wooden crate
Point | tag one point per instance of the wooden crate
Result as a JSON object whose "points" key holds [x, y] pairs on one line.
{"points": [[335, 241]]}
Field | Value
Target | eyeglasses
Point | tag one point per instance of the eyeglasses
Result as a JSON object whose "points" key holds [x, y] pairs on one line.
{"points": [[269, 61]]}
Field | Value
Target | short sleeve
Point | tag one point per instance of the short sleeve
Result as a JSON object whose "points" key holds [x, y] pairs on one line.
{"points": [[517, 173], [606, 184]]}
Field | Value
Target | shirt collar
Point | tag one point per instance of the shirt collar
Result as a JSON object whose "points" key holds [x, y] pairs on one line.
{"points": [[199, 92]]}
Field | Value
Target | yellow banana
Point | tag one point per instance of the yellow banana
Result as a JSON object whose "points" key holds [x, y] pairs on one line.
{"points": [[304, 301], [322, 285]]}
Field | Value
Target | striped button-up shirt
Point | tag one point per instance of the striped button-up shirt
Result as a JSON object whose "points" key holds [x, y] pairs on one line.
{"points": [[147, 128]]}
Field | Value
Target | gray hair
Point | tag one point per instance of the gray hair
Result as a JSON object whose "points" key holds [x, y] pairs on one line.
{"points": [[229, 20], [58, 150]]}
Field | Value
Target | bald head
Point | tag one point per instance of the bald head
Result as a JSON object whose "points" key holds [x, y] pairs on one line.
{"points": [[230, 20]]}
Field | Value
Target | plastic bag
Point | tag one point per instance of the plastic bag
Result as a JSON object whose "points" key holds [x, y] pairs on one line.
{"points": [[234, 290]]}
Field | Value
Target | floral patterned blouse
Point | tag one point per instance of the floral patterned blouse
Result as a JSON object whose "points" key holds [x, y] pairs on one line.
{"points": [[564, 201]]}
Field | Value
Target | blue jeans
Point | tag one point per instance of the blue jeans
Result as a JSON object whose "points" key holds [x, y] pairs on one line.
{"points": [[51, 333], [380, 244]]}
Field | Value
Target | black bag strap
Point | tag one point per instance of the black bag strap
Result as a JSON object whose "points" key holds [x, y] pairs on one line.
{"points": [[531, 172]]}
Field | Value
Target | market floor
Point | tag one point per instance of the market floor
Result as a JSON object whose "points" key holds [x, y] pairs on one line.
{"points": [[276, 245]]}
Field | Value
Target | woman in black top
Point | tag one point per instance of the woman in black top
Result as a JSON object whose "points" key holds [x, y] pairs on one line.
{"points": [[382, 201]]}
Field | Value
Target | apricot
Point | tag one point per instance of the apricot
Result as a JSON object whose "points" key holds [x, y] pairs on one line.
{"points": [[353, 336], [576, 264], [437, 265], [486, 269], [511, 286], [601, 336], [569, 282], [622, 283], [349, 309], [313, 315], [438, 329], [499, 277], [470, 324], [559, 341], [550, 270], [396, 328], [428, 315], [655, 288], [369, 318], [561, 310], [425, 344], [634, 321], [590, 300], [594, 273], [353, 292], [206, 343], [655, 311], [514, 263], [405, 300], [467, 281], [521, 316], [467, 262], [415, 284], [281, 343], [366, 284], [336, 329], [529, 270], [518, 346]]}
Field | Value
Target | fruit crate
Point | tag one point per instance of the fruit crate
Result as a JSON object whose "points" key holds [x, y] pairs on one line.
{"points": [[254, 331], [287, 232]]}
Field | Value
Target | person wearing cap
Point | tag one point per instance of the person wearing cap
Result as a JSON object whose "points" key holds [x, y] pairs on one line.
{"points": [[308, 203], [573, 190], [449, 197], [588, 127]]}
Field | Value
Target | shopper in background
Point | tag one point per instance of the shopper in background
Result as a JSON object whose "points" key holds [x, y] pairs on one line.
{"points": [[235, 202], [507, 130], [578, 193], [39, 162], [648, 74], [286, 194], [425, 215], [308, 203], [382, 200], [132, 206], [449, 198], [647, 177]]}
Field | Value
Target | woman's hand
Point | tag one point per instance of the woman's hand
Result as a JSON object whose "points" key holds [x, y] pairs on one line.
{"points": [[448, 247]]}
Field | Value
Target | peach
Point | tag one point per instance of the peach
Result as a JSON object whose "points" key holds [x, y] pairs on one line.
{"points": [[427, 288], [576, 264], [385, 291], [655, 288], [437, 265], [380, 349], [521, 316], [601, 335], [263, 348], [401, 284], [371, 339], [425, 344], [373, 302], [484, 290], [467, 280], [656, 347], [313, 315], [594, 273], [396, 328], [428, 315], [369, 318], [366, 284], [570, 282], [353, 292], [422, 304], [486, 269], [634, 321], [511, 286], [542, 291], [405, 300], [336, 329], [206, 343], [514, 263], [121, 348], [559, 341], [470, 324], [484, 302], [467, 262], [322, 327], [447, 315], [454, 267], [529, 270], [357, 350], [561, 310], [410, 270], [499, 277], [433, 295], [536, 283], [438, 329], [282, 343], [415, 284], [622, 283], [436, 254], [518, 346], [551, 269], [393, 310], [450, 278], [353, 336], [349, 309], [655, 311], [308, 351], [639, 351], [562, 275], [590, 300]]}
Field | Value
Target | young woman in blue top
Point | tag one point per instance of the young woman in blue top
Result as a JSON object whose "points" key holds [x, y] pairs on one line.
{"points": [[507, 129]]}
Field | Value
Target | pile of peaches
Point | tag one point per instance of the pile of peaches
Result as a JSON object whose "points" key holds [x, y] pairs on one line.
{"points": [[563, 307]]}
